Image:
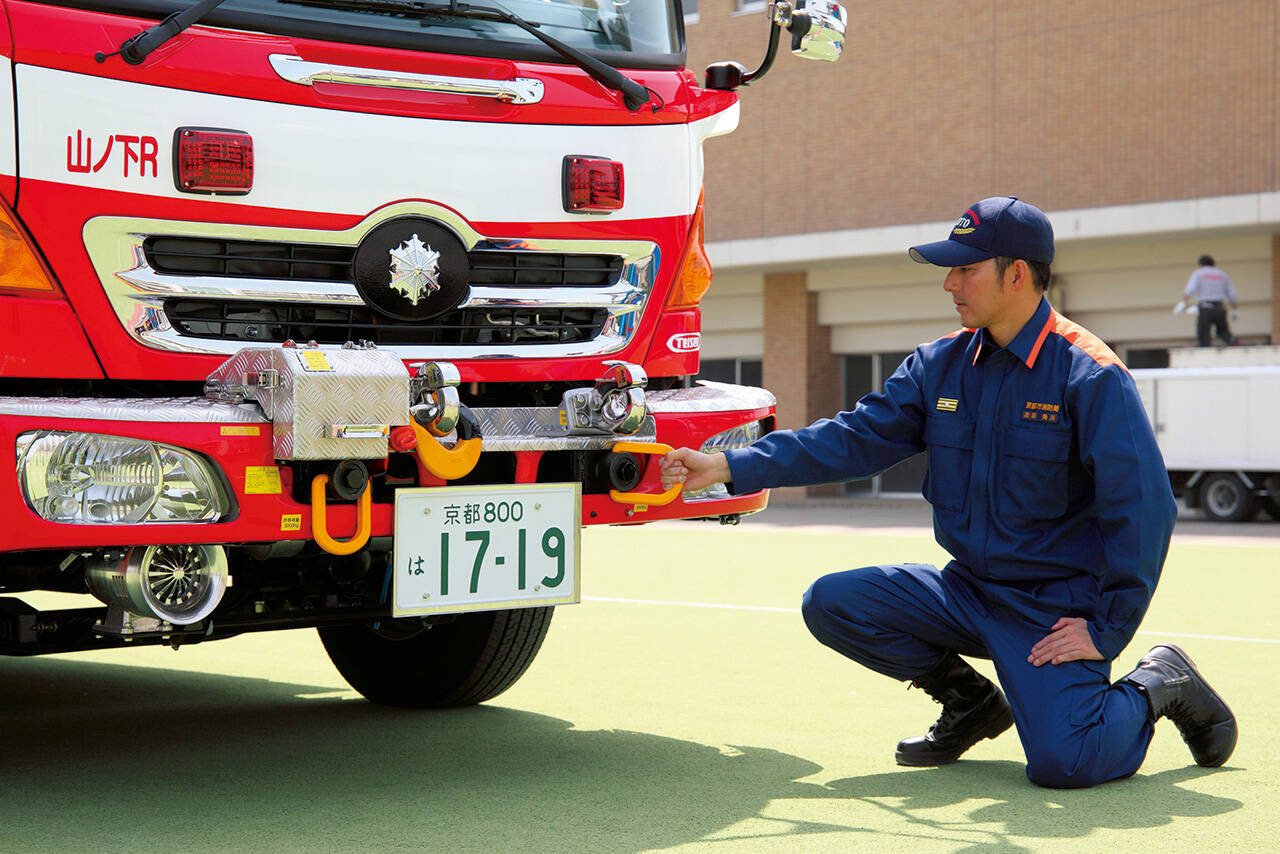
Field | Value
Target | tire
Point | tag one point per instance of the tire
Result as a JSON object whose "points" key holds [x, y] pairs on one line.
{"points": [[1225, 498], [1272, 507], [467, 660]]}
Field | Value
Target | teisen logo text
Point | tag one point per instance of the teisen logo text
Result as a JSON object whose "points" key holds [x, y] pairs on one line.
{"points": [[685, 342]]}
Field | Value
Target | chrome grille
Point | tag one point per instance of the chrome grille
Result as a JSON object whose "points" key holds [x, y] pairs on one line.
{"points": [[276, 322], [225, 284], [261, 259]]}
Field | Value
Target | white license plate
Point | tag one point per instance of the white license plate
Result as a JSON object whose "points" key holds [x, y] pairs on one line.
{"points": [[484, 548]]}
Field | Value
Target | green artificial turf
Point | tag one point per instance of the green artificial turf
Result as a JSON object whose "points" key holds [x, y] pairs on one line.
{"points": [[647, 723]]}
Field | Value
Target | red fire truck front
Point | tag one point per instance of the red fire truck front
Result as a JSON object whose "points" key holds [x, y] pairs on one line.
{"points": [[350, 314]]}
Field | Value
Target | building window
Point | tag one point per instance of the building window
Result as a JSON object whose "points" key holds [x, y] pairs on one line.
{"points": [[737, 371], [864, 374], [691, 11], [1147, 357], [743, 7]]}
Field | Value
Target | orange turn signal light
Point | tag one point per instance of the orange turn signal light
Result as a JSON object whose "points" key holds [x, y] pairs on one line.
{"points": [[21, 270], [693, 276]]}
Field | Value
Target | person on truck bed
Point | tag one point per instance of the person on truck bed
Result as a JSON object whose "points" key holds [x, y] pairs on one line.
{"points": [[1212, 291], [1050, 494]]}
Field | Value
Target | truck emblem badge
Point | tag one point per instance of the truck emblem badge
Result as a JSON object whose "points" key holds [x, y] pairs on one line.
{"points": [[684, 342], [412, 269], [415, 269]]}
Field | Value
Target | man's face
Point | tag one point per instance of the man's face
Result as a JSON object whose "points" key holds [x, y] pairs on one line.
{"points": [[980, 297]]}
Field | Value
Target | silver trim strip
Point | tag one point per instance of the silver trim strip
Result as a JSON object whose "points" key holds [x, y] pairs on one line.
{"points": [[187, 410], [538, 428], [709, 396], [518, 90], [147, 282]]}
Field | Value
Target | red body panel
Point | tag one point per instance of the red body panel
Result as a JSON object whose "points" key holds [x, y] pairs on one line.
{"points": [[210, 60], [43, 338]]}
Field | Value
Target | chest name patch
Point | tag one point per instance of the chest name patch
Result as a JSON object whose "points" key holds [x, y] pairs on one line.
{"points": [[947, 404], [1040, 411]]}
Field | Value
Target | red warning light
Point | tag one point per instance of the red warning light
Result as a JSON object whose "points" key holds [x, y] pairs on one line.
{"points": [[592, 184], [211, 160]]}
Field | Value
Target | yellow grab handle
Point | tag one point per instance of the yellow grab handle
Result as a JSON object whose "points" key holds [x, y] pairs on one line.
{"points": [[655, 498], [442, 462], [364, 527]]}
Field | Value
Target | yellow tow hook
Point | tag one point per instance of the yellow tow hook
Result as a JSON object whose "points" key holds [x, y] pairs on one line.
{"points": [[319, 530], [657, 499], [447, 463]]}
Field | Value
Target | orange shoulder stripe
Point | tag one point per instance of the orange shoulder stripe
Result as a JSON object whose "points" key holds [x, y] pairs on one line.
{"points": [[1081, 338], [955, 334]]}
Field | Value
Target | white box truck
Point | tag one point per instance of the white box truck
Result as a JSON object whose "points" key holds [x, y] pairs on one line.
{"points": [[1216, 413]]}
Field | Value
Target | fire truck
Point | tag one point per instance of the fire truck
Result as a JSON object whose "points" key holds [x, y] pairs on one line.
{"points": [[349, 314]]}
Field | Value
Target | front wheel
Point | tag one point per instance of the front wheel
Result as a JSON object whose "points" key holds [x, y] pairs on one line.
{"points": [[1225, 498], [467, 660]]}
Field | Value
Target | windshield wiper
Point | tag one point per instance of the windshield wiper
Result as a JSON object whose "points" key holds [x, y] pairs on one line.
{"points": [[634, 96], [135, 49]]}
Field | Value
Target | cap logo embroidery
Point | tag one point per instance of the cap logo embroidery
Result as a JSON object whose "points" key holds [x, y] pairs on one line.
{"points": [[1040, 411], [968, 222], [947, 404]]}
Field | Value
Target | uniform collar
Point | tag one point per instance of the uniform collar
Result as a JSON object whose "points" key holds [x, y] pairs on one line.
{"points": [[1027, 343]]}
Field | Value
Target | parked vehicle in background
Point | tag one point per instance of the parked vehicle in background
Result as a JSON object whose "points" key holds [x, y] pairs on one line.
{"points": [[349, 314], [1215, 413]]}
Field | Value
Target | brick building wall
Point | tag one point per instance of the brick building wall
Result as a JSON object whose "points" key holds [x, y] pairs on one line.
{"points": [[1068, 104], [799, 366]]}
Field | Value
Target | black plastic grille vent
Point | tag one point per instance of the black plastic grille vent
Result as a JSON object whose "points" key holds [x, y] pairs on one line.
{"points": [[302, 261], [276, 321], [248, 259]]}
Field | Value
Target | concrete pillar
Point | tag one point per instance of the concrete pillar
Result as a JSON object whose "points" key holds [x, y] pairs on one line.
{"points": [[798, 365], [1275, 289]]}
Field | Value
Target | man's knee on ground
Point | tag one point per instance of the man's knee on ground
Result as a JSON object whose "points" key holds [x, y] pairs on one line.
{"points": [[1060, 772]]}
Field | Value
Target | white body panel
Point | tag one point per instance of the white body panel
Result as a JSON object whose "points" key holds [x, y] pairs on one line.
{"points": [[1214, 419], [8, 157], [343, 162]]}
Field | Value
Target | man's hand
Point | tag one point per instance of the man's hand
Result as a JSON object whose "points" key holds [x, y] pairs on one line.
{"points": [[1069, 641], [694, 469]]}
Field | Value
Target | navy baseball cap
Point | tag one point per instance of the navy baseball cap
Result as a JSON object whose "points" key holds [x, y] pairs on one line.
{"points": [[1001, 225]]}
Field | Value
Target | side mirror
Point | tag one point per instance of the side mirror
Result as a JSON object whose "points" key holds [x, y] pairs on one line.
{"points": [[817, 32], [824, 37]]}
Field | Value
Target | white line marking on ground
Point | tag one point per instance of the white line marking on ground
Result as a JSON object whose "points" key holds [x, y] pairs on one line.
{"points": [[726, 607], [692, 604]]}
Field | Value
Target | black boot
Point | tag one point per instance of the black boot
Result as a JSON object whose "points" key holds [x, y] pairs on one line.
{"points": [[1168, 678], [973, 708]]}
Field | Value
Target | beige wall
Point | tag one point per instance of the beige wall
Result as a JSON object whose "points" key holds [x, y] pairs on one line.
{"points": [[1121, 290]]}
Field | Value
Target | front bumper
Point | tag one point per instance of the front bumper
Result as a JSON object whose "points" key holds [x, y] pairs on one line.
{"points": [[237, 440]]}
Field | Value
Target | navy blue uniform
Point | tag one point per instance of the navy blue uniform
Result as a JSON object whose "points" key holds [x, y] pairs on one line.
{"points": [[1049, 492]]}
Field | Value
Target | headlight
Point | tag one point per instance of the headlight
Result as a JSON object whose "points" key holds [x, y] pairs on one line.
{"points": [[738, 437], [90, 478]]}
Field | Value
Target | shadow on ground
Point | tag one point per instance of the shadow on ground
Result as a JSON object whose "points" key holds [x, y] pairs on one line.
{"points": [[100, 757], [1013, 813]]}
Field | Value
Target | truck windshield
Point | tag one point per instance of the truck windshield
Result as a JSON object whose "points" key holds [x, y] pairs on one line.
{"points": [[637, 33]]}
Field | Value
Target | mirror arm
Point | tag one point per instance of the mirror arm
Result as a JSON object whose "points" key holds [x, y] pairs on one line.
{"points": [[730, 75], [769, 55]]}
